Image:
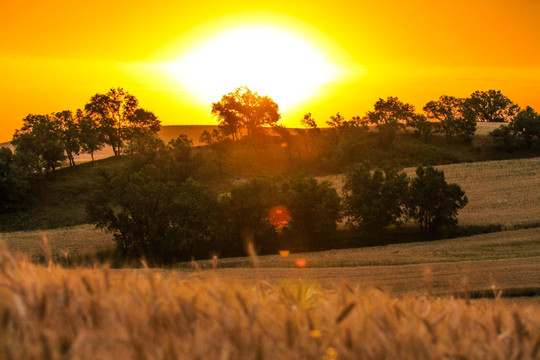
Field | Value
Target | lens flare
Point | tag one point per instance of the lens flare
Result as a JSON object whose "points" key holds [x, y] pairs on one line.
{"points": [[301, 262], [279, 216], [284, 253]]}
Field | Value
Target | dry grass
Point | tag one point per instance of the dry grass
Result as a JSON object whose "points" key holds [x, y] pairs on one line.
{"points": [[53, 313], [72, 242], [500, 192]]}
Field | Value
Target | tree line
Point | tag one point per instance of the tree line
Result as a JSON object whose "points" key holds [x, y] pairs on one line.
{"points": [[156, 209], [244, 112], [46, 140], [113, 119], [379, 135]]}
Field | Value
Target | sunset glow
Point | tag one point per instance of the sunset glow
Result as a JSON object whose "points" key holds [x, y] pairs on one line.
{"points": [[269, 59], [179, 57]]}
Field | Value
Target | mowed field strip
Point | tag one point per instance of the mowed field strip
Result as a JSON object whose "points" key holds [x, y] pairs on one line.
{"points": [[505, 192], [503, 260]]}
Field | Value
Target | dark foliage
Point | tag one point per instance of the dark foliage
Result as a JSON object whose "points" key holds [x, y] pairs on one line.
{"points": [[432, 202], [156, 211], [15, 182], [374, 200]]}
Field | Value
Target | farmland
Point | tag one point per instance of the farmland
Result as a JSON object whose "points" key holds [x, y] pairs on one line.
{"points": [[402, 301]]}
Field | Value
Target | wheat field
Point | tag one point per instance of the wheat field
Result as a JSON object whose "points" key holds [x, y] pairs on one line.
{"points": [[54, 313]]}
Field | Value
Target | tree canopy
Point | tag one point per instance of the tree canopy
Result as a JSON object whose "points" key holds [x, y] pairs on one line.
{"points": [[491, 106], [246, 110], [120, 118]]}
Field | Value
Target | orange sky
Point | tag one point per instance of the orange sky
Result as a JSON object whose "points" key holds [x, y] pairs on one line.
{"points": [[55, 54]]}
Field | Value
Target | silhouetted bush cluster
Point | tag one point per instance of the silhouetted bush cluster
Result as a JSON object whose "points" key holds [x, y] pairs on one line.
{"points": [[156, 210], [374, 200], [524, 129]]}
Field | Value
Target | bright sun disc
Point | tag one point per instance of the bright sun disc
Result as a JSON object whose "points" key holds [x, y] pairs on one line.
{"points": [[268, 60]]}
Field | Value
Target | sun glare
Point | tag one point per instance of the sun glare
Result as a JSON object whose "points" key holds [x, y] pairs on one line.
{"points": [[269, 60]]}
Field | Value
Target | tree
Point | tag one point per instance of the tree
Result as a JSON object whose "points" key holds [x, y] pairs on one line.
{"points": [[142, 124], [526, 125], [308, 121], [152, 216], [41, 138], [447, 111], [423, 128], [70, 134], [91, 138], [506, 135], [336, 121], [244, 215], [491, 106], [114, 111], [244, 109], [153, 207], [432, 202], [374, 200], [15, 181], [389, 116], [315, 209]]}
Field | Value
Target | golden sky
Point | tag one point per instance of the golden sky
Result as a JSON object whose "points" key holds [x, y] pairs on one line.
{"points": [[55, 54]]}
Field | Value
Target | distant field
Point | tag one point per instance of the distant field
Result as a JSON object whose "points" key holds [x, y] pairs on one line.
{"points": [[72, 242], [502, 192], [484, 128]]}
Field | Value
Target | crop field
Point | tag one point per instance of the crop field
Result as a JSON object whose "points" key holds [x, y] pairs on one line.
{"points": [[76, 241], [502, 192], [54, 313]]}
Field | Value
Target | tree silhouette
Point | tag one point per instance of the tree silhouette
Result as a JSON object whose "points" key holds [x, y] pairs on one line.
{"points": [[453, 116], [491, 106], [432, 202], [70, 134], [526, 125], [244, 109], [374, 200], [113, 111], [389, 116], [41, 138], [91, 137]]}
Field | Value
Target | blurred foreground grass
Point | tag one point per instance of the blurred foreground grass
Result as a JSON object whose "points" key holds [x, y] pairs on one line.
{"points": [[55, 313]]}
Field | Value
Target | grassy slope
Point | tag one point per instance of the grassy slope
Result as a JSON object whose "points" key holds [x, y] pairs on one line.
{"points": [[60, 200]]}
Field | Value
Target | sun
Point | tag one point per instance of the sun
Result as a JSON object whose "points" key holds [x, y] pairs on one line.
{"points": [[269, 60]]}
